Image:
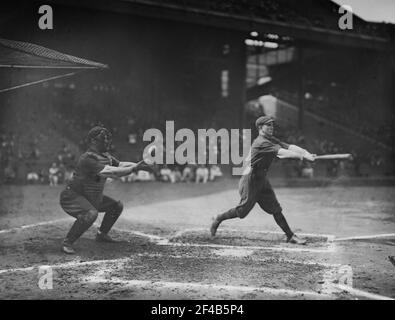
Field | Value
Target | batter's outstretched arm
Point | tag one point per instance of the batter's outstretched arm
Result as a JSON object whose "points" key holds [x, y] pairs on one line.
{"points": [[291, 154], [297, 149]]}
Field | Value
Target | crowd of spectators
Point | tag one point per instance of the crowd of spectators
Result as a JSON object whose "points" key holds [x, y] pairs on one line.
{"points": [[189, 173], [25, 163], [360, 165]]}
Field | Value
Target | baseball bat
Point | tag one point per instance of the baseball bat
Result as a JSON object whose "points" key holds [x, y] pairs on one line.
{"points": [[336, 156]]}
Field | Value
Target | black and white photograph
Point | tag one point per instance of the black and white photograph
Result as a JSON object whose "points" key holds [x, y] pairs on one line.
{"points": [[216, 151]]}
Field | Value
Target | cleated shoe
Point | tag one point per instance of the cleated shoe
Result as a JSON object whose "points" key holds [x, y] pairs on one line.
{"points": [[103, 237], [214, 226], [296, 240], [67, 248]]}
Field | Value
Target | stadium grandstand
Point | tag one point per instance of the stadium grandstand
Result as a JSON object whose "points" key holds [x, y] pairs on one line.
{"points": [[203, 64]]}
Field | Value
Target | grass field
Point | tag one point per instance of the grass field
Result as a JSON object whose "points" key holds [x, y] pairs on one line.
{"points": [[165, 251]]}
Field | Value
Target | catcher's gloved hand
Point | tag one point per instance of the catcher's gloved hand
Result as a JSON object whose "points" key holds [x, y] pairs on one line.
{"points": [[142, 165]]}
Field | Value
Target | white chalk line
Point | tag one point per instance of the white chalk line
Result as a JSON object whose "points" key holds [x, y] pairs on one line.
{"points": [[343, 274], [328, 237], [98, 278], [208, 245], [166, 242], [317, 235], [163, 241], [281, 260], [197, 285], [374, 236], [76, 263], [330, 247], [328, 278], [34, 225], [362, 293], [70, 264], [329, 288]]}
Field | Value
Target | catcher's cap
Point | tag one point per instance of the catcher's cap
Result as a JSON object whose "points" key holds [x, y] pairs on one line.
{"points": [[97, 132], [263, 120]]}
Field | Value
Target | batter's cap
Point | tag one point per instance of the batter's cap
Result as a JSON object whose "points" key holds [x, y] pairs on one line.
{"points": [[263, 120]]}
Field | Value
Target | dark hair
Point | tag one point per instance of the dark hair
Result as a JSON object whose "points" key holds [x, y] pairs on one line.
{"points": [[97, 133]]}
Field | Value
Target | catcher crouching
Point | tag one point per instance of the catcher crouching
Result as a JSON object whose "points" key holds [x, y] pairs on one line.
{"points": [[83, 196]]}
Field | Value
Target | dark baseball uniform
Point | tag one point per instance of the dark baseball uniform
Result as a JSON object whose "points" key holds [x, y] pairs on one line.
{"points": [[254, 187], [85, 191]]}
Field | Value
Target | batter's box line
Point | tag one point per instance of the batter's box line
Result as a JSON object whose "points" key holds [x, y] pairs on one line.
{"points": [[329, 237], [167, 241], [328, 277], [334, 266], [76, 262], [101, 276], [156, 285], [337, 279], [329, 289], [164, 241], [34, 225]]}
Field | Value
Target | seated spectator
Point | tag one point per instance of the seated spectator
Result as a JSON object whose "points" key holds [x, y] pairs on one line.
{"points": [[143, 176], [43, 176], [332, 168], [68, 173], [187, 173], [165, 174], [175, 175], [307, 171], [215, 171], [129, 178], [9, 174], [342, 170], [53, 174], [202, 174], [155, 168], [32, 177]]}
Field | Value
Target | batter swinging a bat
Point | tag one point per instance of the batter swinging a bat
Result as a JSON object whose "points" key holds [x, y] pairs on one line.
{"points": [[254, 187], [83, 197]]}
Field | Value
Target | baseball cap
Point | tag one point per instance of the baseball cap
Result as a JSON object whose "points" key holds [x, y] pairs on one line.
{"points": [[263, 120]]}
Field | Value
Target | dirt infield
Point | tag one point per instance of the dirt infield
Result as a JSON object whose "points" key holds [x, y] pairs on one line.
{"points": [[165, 251]]}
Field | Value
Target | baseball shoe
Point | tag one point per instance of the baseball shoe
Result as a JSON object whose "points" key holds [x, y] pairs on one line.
{"points": [[214, 226], [296, 240], [103, 237], [67, 248]]}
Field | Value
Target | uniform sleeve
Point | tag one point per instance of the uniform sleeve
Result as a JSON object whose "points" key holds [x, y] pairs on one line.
{"points": [[284, 145], [267, 147], [90, 165], [114, 162], [281, 143]]}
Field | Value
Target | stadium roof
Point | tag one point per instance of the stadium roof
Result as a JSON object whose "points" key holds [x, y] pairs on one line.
{"points": [[311, 20], [24, 55]]}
